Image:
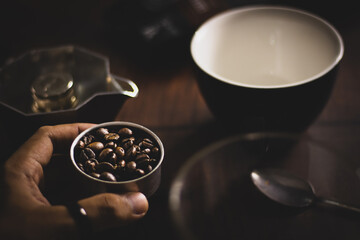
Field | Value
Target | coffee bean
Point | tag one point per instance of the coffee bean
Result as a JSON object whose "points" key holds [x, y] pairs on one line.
{"points": [[111, 137], [111, 158], [93, 161], [127, 142], [86, 154], [114, 154], [112, 145], [155, 150], [141, 156], [125, 132], [88, 139], [140, 172], [107, 176], [90, 164], [143, 162], [131, 152], [80, 145], [81, 166], [94, 174], [101, 132], [148, 168], [131, 166], [120, 169], [146, 150], [121, 164], [105, 154], [152, 160], [96, 146], [120, 152], [146, 143], [104, 167]]}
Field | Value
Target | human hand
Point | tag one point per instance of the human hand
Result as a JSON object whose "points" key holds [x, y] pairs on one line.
{"points": [[27, 214]]}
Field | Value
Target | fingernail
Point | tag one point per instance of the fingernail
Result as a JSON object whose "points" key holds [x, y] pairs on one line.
{"points": [[138, 203]]}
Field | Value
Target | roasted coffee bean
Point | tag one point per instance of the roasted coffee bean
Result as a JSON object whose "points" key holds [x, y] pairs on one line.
{"points": [[121, 164], [143, 163], [111, 137], [104, 167], [101, 132], [81, 166], [105, 154], [112, 145], [146, 162], [93, 161], [152, 160], [94, 174], [140, 172], [89, 167], [127, 142], [146, 150], [120, 169], [107, 176], [80, 144], [148, 168], [131, 166], [125, 132], [146, 143], [155, 150], [131, 152], [120, 152], [111, 158], [141, 156], [86, 154], [90, 164], [88, 139], [138, 149], [116, 155], [96, 146]]}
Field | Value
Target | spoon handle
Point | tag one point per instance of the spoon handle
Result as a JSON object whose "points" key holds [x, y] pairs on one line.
{"points": [[340, 205]]}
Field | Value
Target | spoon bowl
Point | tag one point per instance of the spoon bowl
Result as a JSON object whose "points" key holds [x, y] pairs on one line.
{"points": [[290, 190], [284, 188]]}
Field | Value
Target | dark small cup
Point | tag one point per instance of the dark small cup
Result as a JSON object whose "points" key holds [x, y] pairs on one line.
{"points": [[267, 64], [147, 183]]}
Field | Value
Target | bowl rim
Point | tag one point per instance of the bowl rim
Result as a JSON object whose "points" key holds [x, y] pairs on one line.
{"points": [[233, 11], [124, 124], [177, 184]]}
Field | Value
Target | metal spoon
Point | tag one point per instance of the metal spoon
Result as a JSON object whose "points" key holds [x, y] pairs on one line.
{"points": [[290, 190]]}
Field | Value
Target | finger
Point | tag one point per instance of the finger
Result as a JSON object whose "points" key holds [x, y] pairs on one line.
{"points": [[41, 145], [63, 135], [110, 210], [105, 211], [24, 169]]}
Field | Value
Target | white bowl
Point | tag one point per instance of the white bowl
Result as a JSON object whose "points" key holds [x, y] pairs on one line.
{"points": [[266, 47], [271, 62]]}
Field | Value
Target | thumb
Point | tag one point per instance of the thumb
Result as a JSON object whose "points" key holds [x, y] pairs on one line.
{"points": [[109, 210]]}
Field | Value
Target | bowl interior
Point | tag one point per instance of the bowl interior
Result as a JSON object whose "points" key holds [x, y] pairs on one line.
{"points": [[266, 47], [212, 195], [138, 130]]}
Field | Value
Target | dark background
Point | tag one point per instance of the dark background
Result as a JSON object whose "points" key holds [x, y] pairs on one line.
{"points": [[115, 25], [170, 102]]}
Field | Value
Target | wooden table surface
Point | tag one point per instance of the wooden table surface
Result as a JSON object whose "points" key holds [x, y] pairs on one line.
{"points": [[170, 103]]}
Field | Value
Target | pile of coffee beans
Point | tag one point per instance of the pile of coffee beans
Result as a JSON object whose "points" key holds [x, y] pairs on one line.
{"points": [[117, 154]]}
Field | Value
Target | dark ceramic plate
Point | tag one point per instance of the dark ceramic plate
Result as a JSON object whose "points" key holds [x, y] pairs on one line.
{"points": [[213, 196]]}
